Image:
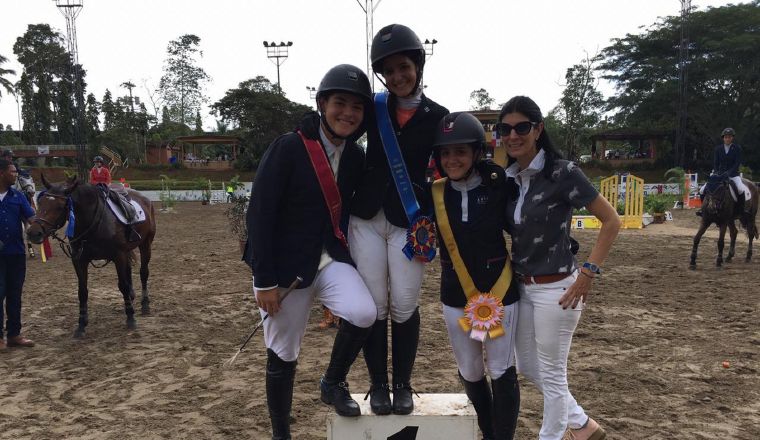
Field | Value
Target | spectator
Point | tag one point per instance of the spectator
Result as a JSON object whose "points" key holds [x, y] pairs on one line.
{"points": [[14, 209]]}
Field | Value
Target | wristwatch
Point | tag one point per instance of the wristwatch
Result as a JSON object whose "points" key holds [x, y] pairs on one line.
{"points": [[593, 268]]}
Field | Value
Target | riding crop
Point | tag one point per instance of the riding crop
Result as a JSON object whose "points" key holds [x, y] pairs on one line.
{"points": [[287, 291]]}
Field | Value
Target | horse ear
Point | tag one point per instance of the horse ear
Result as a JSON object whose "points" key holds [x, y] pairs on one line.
{"points": [[44, 181], [73, 182]]}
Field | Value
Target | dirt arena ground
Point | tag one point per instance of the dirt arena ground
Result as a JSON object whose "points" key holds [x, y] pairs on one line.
{"points": [[646, 362]]}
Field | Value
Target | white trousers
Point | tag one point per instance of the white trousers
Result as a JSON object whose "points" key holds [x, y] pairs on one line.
{"points": [[393, 280], [469, 353], [739, 186], [544, 335], [339, 287]]}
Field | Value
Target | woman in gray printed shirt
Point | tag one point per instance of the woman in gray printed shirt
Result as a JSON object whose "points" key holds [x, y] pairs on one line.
{"points": [[553, 288]]}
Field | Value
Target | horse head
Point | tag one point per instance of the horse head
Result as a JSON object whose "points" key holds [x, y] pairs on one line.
{"points": [[718, 201], [52, 209]]}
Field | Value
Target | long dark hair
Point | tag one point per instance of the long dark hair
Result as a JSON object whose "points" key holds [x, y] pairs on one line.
{"points": [[529, 108]]}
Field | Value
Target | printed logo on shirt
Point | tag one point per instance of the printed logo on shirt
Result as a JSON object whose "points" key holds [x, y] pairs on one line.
{"points": [[482, 200]]}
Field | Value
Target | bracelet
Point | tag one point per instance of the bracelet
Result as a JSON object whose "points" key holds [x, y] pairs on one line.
{"points": [[584, 273]]}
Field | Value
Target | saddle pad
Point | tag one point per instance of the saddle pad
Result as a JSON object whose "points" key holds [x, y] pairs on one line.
{"points": [[139, 213]]}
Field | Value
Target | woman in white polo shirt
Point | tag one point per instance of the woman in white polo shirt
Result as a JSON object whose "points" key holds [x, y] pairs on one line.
{"points": [[553, 287]]}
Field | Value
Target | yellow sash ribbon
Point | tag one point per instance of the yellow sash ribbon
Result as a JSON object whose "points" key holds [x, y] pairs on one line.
{"points": [[484, 310]]}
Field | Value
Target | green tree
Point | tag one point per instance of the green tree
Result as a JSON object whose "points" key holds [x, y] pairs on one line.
{"points": [[580, 106], [481, 100], [46, 84], [5, 83], [723, 80], [183, 82], [258, 112], [198, 122], [108, 109], [92, 119]]}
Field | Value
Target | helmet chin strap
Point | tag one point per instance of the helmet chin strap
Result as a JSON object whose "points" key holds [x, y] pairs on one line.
{"points": [[475, 160], [416, 84], [466, 175], [329, 129]]}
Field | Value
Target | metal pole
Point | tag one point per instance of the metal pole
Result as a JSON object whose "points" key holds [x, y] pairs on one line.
{"points": [[683, 55]]}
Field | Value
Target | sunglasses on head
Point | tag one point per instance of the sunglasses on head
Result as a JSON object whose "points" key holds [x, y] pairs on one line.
{"points": [[521, 128]]}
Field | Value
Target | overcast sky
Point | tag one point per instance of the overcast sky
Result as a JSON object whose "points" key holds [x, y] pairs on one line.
{"points": [[505, 46]]}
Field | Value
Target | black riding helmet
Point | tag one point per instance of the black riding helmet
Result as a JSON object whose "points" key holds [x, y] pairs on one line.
{"points": [[344, 78], [397, 39], [458, 128]]}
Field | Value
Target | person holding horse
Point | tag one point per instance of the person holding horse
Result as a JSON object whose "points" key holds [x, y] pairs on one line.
{"points": [[726, 163], [99, 173], [387, 217], [553, 286], [297, 220], [14, 209], [478, 290]]}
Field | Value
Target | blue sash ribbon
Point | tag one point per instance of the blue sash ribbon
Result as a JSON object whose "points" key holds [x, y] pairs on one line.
{"points": [[70, 227], [421, 232]]}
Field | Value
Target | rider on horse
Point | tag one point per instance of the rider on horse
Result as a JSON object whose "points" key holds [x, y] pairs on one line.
{"points": [[101, 176], [728, 159], [99, 173]]}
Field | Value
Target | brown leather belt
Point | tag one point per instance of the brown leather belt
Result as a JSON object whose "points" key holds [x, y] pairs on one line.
{"points": [[543, 279]]}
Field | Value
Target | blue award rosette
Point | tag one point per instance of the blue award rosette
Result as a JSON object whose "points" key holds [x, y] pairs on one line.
{"points": [[420, 237]]}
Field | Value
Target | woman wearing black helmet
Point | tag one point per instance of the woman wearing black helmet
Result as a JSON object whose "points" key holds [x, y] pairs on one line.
{"points": [[99, 173], [296, 228], [386, 207], [478, 292]]}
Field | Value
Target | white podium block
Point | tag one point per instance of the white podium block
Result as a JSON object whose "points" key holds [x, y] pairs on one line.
{"points": [[435, 417]]}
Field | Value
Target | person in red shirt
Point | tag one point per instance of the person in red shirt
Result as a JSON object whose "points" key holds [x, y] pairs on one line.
{"points": [[99, 173]]}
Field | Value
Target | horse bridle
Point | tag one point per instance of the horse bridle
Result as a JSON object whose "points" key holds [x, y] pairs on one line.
{"points": [[53, 227], [67, 208]]}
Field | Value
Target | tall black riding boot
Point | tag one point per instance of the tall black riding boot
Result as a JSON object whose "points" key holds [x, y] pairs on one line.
{"points": [[506, 404], [479, 394], [333, 386], [405, 337], [376, 356], [280, 375]]}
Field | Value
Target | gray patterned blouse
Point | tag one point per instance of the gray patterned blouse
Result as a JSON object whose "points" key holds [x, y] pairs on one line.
{"points": [[539, 219]]}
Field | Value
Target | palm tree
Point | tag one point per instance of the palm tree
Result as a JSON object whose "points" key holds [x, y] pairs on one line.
{"points": [[5, 83]]}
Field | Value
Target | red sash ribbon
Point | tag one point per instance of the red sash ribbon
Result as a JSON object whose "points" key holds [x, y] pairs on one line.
{"points": [[327, 183]]}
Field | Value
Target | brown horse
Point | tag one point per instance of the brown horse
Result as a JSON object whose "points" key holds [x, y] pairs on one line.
{"points": [[719, 207], [97, 235]]}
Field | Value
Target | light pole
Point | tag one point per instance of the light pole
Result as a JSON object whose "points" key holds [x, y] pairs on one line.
{"points": [[312, 92], [429, 46], [683, 84], [278, 53], [369, 7]]}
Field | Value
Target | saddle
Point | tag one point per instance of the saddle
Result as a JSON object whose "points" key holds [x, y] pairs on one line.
{"points": [[120, 197]]}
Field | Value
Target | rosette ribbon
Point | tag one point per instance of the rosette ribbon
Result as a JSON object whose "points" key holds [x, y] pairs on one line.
{"points": [[420, 239], [482, 316]]}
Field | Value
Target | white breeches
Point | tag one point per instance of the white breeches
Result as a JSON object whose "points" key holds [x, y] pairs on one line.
{"points": [[339, 287], [473, 356], [393, 280]]}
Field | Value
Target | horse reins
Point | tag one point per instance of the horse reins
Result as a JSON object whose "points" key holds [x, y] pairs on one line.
{"points": [[66, 248]]}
